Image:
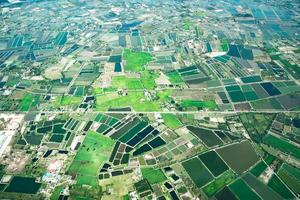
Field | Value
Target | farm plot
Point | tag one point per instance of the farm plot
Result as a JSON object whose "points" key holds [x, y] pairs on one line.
{"points": [[153, 175], [207, 136], [213, 162], [243, 191], [94, 151], [291, 176], [239, 157], [282, 145], [260, 188], [197, 172]]}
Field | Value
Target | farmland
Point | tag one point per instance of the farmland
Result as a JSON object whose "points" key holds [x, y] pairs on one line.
{"points": [[150, 99]]}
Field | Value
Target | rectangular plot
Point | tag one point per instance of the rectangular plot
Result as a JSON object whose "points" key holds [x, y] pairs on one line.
{"points": [[213, 162], [132, 132], [197, 172], [270, 88], [243, 191], [237, 96], [260, 91], [239, 157], [207, 136], [261, 189], [125, 128]]}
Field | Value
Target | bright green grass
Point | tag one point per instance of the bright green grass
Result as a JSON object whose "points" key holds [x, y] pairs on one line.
{"points": [[174, 77], [153, 175], [93, 152], [148, 79], [171, 120], [224, 45], [219, 183], [211, 104], [135, 61], [123, 82], [28, 101], [68, 101], [133, 99]]}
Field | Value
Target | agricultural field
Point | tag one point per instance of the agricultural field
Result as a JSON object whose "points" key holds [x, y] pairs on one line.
{"points": [[93, 152], [150, 100]]}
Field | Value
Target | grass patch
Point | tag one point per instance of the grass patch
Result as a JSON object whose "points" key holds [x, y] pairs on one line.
{"points": [[28, 101], [68, 101], [171, 120], [153, 175], [94, 151], [210, 104], [136, 100], [174, 77], [135, 61], [123, 82], [219, 183]]}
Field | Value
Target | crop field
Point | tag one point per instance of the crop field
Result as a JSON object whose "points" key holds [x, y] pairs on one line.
{"points": [[282, 145], [94, 151], [258, 169], [276, 184], [261, 189], [171, 120], [68, 101], [214, 163], [211, 105], [225, 194], [135, 61], [207, 136], [153, 175], [243, 191], [28, 101], [213, 187], [136, 100], [239, 157], [197, 172], [291, 177], [126, 83]]}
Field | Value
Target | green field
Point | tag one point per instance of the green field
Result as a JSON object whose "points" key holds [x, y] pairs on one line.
{"points": [[123, 82], [28, 101], [258, 169], [282, 145], [219, 183], [213, 162], [211, 104], [171, 120], [276, 184], [134, 99], [135, 61], [153, 175], [239, 157], [197, 172], [68, 101], [243, 191], [93, 152], [291, 176], [174, 77]]}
